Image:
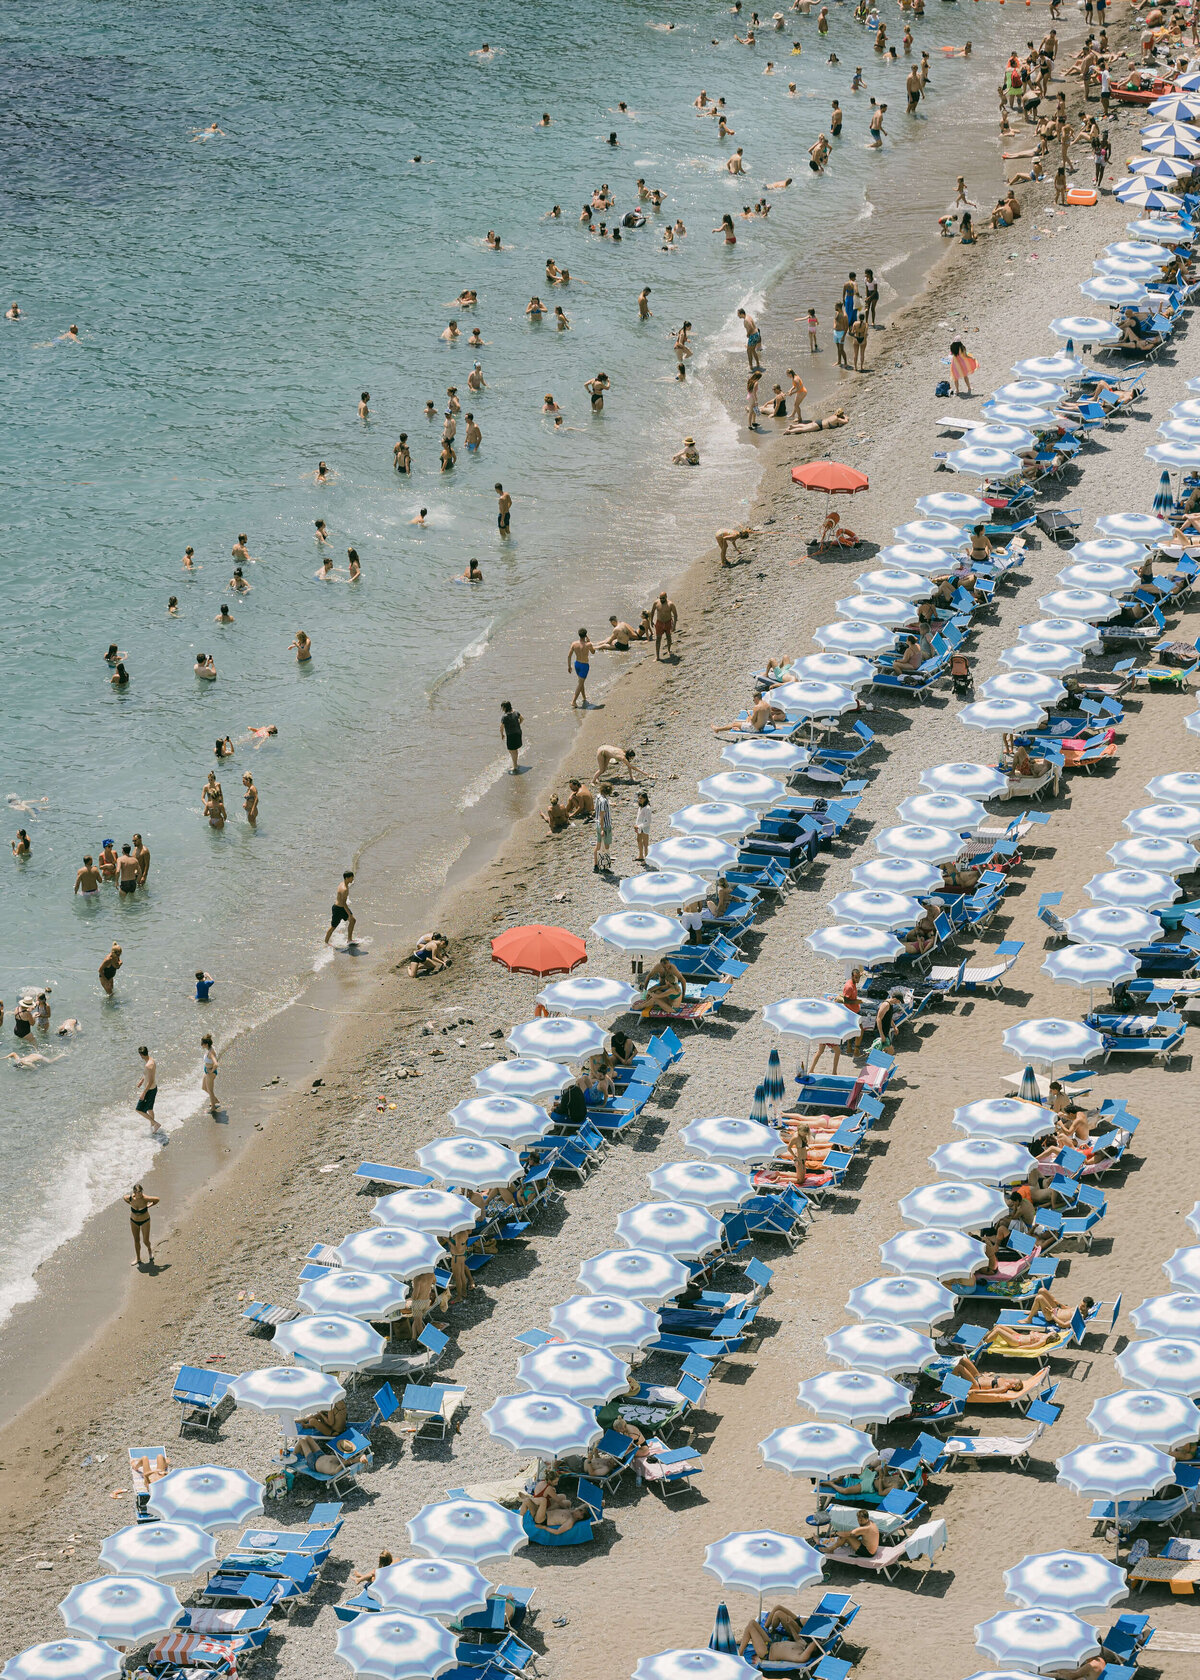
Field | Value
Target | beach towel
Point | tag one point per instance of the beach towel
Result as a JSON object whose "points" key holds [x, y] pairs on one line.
{"points": [[925, 1541]]}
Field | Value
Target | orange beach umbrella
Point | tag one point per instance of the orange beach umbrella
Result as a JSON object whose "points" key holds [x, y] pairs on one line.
{"points": [[830, 477], [538, 949]]}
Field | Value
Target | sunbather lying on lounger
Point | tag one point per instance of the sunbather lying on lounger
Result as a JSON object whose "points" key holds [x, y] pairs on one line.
{"points": [[873, 1478], [986, 1380], [551, 1510], [1055, 1312], [1090, 1669], [864, 1538], [793, 1648], [1010, 1336], [148, 1471], [318, 1428], [1024, 765], [761, 714]]}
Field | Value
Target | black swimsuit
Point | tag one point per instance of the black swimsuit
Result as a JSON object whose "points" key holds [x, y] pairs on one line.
{"points": [[21, 1027]]}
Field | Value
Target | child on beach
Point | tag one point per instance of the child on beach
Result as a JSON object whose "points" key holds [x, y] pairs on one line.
{"points": [[641, 826], [812, 324]]}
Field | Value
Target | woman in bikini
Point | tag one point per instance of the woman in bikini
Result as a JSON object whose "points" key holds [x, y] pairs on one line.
{"points": [[139, 1205], [209, 1079]]}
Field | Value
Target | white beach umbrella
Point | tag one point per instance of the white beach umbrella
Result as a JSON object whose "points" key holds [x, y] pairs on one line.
{"points": [[1062, 632], [472, 1163], [664, 890], [1090, 966], [1171, 146], [1046, 393], [927, 559], [1163, 230], [876, 908], [806, 698], [1188, 409], [977, 1160], [1135, 189], [693, 1665], [943, 810], [123, 1610], [902, 875], [1115, 1470], [1165, 822], [815, 1020], [1178, 455], [1176, 787], [643, 932], [616, 1322], [634, 1274], [984, 461], [530, 1077], [1115, 289], [440, 1212], [1086, 329], [1156, 854], [1143, 527], [545, 1424], [728, 1138], [1049, 1042], [1031, 415], [993, 717], [1144, 1417], [775, 757], [676, 1228], [1006, 1118], [936, 533], [1149, 250], [394, 1646], [330, 1341], [888, 1348], [968, 781], [844, 669], [956, 506], [1034, 688], [717, 819], [211, 1495], [64, 1659], [855, 636], [431, 1587], [925, 842], [855, 946], [164, 1551], [1067, 1581], [1135, 268], [1132, 889], [704, 1184], [895, 580], [1193, 1219], [1001, 434], [742, 787], [1092, 605], [953, 1207], [917, 1302], [1183, 1267], [1169, 1315], [1179, 430], [1192, 723], [1056, 369], [373, 1296], [400, 1252], [934, 1254], [508, 1120], [559, 1038], [1050, 659], [578, 1370], [855, 1397], [818, 1450], [1099, 574], [762, 1561], [1043, 1640], [289, 1392], [698, 853], [1171, 1363], [466, 1530], [886, 610]]}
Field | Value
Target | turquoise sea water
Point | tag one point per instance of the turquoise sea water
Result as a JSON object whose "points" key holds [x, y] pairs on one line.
{"points": [[234, 296]]}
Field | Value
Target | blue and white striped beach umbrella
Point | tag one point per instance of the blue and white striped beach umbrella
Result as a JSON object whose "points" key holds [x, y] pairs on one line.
{"points": [[1092, 605], [943, 810], [762, 1561], [703, 1184], [1135, 268], [431, 1587], [1188, 409], [693, 1665], [1090, 965], [393, 1646], [577, 1370], [1062, 632], [471, 1163], [373, 1296], [466, 1530], [330, 1341], [1178, 430], [760, 1108], [953, 1207], [64, 1659], [716, 819], [1156, 854], [560, 1038], [1046, 393], [902, 875], [854, 946], [1142, 527], [1033, 688], [1067, 1581], [1193, 1220], [401, 1252], [1104, 575], [530, 1077], [1176, 787], [776, 1085], [1180, 456], [888, 1348], [722, 1637], [1115, 1470], [1033, 416], [819, 1450], [1171, 1363], [966, 780], [1050, 659], [1086, 328], [124, 1610], [775, 757], [1132, 189], [509, 1120], [742, 787], [211, 1495], [917, 1302], [1113, 924], [855, 636], [895, 580], [615, 1322], [1183, 1267], [1176, 107], [1164, 230], [815, 1020], [934, 533], [165, 1551], [1192, 723], [1132, 889], [1041, 1640], [1172, 146], [1169, 130], [1000, 434], [634, 1274], [440, 1212], [994, 717], [699, 853], [728, 1138], [955, 506], [928, 559], [984, 461], [926, 842], [545, 1424], [878, 908], [1146, 1417], [809, 698], [1164, 822], [1057, 369], [976, 1160], [933, 1253], [855, 1397], [1113, 289], [1149, 250], [675, 1228], [885, 610], [287, 1391], [663, 890], [844, 669], [1050, 1042], [1006, 1118]]}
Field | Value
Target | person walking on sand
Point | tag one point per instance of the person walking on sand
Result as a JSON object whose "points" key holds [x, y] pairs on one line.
{"points": [[341, 911], [579, 656], [962, 366], [510, 729], [108, 970], [641, 826], [666, 621], [139, 1205], [209, 1078], [147, 1087]]}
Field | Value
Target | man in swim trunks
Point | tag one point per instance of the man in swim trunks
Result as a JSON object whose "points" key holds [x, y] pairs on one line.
{"points": [[108, 970], [753, 339], [620, 636], [141, 853], [341, 911], [666, 620], [579, 656], [503, 510], [580, 803], [87, 879], [127, 870], [148, 1087]]}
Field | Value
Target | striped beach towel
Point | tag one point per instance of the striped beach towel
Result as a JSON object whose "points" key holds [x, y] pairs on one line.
{"points": [[193, 1647]]}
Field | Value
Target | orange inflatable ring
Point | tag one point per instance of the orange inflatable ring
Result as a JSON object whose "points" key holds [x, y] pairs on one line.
{"points": [[1082, 195]]}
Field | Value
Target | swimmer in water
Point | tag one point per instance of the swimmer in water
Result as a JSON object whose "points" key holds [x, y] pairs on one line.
{"points": [[33, 1059], [13, 312], [322, 532], [430, 411], [472, 573], [71, 336], [401, 456], [419, 517], [364, 411], [475, 342], [208, 133], [355, 564], [484, 52], [323, 474], [451, 333], [260, 732], [475, 379]]}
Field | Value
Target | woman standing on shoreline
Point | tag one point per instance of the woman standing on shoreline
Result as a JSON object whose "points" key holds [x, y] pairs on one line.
{"points": [[139, 1223], [209, 1079]]}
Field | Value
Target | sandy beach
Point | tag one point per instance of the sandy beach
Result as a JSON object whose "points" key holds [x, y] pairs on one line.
{"points": [[239, 1234]]}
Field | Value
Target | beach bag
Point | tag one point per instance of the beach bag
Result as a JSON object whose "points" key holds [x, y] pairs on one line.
{"points": [[942, 388]]}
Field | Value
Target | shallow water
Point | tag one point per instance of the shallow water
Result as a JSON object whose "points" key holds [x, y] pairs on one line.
{"points": [[234, 295]]}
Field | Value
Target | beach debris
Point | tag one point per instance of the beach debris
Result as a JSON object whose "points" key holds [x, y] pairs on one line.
{"points": [[330, 1166], [43, 1563], [316, 1083]]}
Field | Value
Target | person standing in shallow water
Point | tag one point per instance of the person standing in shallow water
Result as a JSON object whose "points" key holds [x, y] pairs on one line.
{"points": [[579, 656], [510, 729]]}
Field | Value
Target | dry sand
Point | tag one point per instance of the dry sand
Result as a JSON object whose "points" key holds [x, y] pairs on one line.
{"points": [[248, 1231]]}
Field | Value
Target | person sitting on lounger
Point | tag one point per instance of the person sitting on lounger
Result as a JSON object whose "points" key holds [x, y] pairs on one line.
{"points": [[664, 989], [316, 1429], [873, 1478], [761, 714], [910, 660], [622, 1049], [769, 1647], [1091, 1668], [958, 880], [148, 1471], [1063, 1104], [1024, 765], [863, 1539], [551, 1510], [923, 934], [1054, 1312]]}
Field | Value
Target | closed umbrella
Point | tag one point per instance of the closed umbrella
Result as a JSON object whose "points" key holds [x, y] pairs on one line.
{"points": [[394, 1646], [1050, 1042], [917, 1302], [209, 1495], [722, 1636], [124, 1610], [810, 698], [1092, 605], [1141, 527], [1033, 688], [1058, 368], [853, 946], [559, 1038], [925, 842], [675, 1228], [474, 1163], [762, 1561], [703, 1184], [856, 1397], [888, 1348], [163, 1551], [902, 875], [937, 533], [1066, 1581], [1048, 658], [953, 1207], [636, 1274], [1166, 822], [855, 636], [287, 1392], [431, 1587], [393, 1249], [615, 1322], [1145, 1417], [1171, 1363], [1176, 787], [466, 1530], [530, 1077], [935, 1254], [760, 1109], [896, 580], [512, 1121], [1063, 632], [373, 1296], [878, 908], [742, 787], [954, 506], [719, 819], [1086, 328], [698, 853], [694, 1665], [1183, 1267], [1109, 927], [544, 1424], [1099, 574], [728, 1138], [815, 1020], [440, 1212], [1138, 889], [943, 810], [1006, 1118], [819, 1450], [1043, 1640], [886, 610], [976, 1160], [577, 1370], [968, 781], [330, 1341], [994, 717], [64, 1659], [929, 559], [983, 461], [774, 757], [775, 1083]]}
